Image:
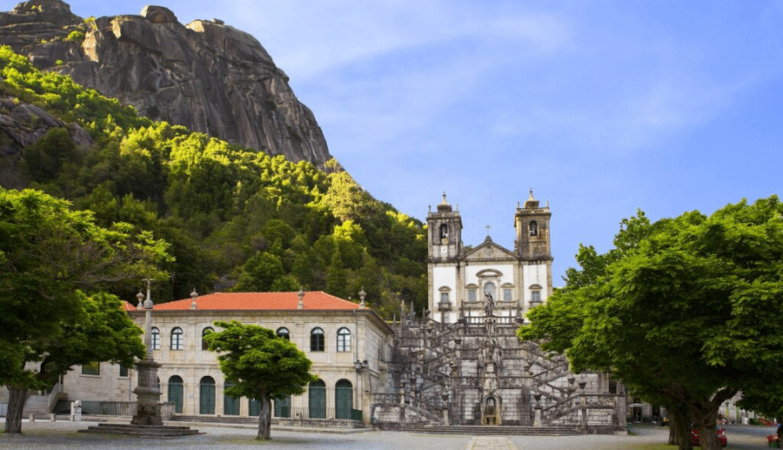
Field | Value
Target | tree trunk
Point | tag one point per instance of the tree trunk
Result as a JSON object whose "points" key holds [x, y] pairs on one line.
{"points": [[708, 437], [264, 419], [13, 420], [680, 427]]}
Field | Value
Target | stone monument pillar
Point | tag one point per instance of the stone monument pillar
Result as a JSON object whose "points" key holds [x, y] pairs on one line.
{"points": [[147, 392]]}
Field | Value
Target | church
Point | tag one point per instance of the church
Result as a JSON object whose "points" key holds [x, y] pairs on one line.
{"points": [[460, 363], [508, 282]]}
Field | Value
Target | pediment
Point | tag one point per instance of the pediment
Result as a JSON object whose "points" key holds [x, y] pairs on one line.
{"points": [[489, 251]]}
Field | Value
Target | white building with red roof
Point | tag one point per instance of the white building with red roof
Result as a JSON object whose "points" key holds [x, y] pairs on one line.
{"points": [[349, 345]]}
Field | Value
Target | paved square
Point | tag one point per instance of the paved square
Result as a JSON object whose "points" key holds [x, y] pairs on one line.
{"points": [[63, 435]]}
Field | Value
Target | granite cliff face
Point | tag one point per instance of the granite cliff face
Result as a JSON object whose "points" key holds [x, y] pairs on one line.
{"points": [[205, 75]]}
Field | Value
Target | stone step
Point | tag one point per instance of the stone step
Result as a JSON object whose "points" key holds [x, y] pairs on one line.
{"points": [[146, 431], [36, 404]]}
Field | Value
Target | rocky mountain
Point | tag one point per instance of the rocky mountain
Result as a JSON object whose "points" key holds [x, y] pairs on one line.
{"points": [[206, 75]]}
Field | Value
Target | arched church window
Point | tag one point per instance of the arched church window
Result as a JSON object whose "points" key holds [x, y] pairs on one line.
{"points": [[177, 342], [533, 228], [471, 295], [444, 232], [283, 333]]}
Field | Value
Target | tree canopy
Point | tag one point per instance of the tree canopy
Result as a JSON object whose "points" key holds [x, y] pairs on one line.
{"points": [[685, 311], [259, 365], [49, 257]]}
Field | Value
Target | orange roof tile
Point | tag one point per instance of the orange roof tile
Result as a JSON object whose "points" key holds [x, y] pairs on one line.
{"points": [[260, 301], [127, 306]]}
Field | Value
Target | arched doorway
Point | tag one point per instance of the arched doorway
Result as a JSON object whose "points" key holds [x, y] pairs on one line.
{"points": [[283, 406], [317, 400], [230, 404], [207, 396], [343, 399], [176, 393]]}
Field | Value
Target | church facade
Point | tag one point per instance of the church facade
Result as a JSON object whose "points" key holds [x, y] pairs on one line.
{"points": [[509, 281], [461, 363]]}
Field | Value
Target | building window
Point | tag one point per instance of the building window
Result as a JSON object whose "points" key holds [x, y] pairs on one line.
{"points": [[93, 368], [533, 228], [471, 295], [282, 332], [535, 297], [507, 294], [176, 339], [444, 297], [343, 340], [317, 340], [123, 371], [445, 318], [206, 331], [155, 338]]}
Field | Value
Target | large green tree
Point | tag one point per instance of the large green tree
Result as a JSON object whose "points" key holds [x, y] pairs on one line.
{"points": [[685, 311], [49, 256], [259, 365]]}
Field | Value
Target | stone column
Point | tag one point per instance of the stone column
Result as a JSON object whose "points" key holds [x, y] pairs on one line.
{"points": [[147, 391]]}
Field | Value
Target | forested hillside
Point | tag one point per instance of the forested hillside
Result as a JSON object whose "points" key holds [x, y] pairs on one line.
{"points": [[236, 219]]}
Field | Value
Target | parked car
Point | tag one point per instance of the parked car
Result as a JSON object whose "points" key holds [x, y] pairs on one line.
{"points": [[718, 429]]}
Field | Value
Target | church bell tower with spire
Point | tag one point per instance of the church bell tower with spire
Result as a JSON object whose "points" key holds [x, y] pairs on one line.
{"points": [[532, 227], [445, 233]]}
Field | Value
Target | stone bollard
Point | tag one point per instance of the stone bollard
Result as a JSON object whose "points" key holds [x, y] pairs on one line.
{"points": [[32, 417], [76, 411], [52, 418]]}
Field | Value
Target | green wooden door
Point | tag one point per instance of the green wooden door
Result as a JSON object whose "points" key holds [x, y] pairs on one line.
{"points": [[317, 400], [230, 404], [253, 407], [207, 396], [176, 393], [343, 399], [283, 406]]}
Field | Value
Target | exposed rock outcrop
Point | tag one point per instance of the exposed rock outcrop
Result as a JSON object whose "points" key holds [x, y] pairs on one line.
{"points": [[206, 75], [21, 125]]}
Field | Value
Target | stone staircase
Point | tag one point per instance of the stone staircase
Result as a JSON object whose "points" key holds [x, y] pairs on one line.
{"points": [[141, 431], [36, 404], [487, 430]]}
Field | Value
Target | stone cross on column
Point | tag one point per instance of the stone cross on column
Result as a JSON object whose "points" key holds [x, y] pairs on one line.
{"points": [[147, 392]]}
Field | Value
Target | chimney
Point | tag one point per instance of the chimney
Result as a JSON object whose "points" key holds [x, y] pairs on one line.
{"points": [[301, 299], [193, 295]]}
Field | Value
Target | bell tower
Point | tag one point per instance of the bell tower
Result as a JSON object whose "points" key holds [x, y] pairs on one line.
{"points": [[445, 233], [532, 226]]}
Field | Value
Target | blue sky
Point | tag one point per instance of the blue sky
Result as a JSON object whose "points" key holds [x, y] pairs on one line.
{"points": [[602, 107]]}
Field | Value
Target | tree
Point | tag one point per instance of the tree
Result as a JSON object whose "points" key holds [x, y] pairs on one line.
{"points": [[259, 273], [48, 256], [259, 365], [684, 310]]}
